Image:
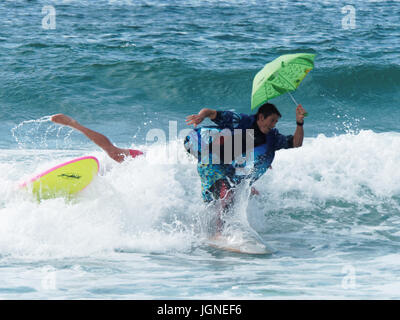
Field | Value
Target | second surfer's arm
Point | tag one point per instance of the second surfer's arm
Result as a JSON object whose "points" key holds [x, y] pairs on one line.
{"points": [[223, 119], [227, 119], [196, 119], [299, 133], [208, 113], [298, 136]]}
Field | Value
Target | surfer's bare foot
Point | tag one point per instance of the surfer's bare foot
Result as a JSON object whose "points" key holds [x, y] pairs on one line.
{"points": [[217, 236], [64, 120]]}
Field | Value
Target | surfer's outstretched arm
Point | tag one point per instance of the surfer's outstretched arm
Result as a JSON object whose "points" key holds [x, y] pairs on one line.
{"points": [[102, 141]]}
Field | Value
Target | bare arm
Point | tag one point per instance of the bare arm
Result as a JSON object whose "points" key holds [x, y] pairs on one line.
{"points": [[102, 141], [299, 133], [196, 119]]}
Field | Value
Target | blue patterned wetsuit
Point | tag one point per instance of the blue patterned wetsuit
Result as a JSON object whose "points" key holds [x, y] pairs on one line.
{"points": [[263, 152]]}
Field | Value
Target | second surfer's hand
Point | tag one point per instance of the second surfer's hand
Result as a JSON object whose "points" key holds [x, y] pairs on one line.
{"points": [[194, 119]]}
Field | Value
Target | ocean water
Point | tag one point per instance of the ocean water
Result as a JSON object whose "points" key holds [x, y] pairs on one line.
{"points": [[133, 70]]}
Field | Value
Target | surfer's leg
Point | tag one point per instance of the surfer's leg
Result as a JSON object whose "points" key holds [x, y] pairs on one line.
{"points": [[223, 193], [118, 154]]}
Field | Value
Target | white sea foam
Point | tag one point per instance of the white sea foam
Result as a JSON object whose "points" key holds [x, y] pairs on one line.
{"points": [[140, 206], [348, 167]]}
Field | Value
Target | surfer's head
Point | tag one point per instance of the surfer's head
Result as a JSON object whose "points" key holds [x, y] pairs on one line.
{"points": [[267, 117]]}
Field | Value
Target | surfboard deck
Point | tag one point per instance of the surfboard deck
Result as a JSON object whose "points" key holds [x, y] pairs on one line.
{"points": [[63, 180], [222, 243]]}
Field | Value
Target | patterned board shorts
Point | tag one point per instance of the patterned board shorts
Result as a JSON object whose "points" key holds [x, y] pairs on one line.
{"points": [[210, 174]]}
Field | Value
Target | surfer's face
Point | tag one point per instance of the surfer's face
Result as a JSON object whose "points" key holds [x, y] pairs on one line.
{"points": [[267, 123]]}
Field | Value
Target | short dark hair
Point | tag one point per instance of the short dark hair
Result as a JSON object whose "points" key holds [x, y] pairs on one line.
{"points": [[267, 109]]}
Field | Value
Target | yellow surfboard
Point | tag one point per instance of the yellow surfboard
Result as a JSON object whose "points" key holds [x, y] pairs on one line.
{"points": [[64, 179]]}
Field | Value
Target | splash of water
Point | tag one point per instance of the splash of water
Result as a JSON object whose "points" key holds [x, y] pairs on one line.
{"points": [[40, 133]]}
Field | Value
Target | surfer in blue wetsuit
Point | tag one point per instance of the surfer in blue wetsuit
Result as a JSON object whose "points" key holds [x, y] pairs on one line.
{"points": [[219, 178]]}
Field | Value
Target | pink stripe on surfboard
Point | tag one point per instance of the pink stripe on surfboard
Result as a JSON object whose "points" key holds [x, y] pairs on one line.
{"points": [[59, 166]]}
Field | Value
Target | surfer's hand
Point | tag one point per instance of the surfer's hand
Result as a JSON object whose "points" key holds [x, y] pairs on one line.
{"points": [[194, 119], [300, 113]]}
